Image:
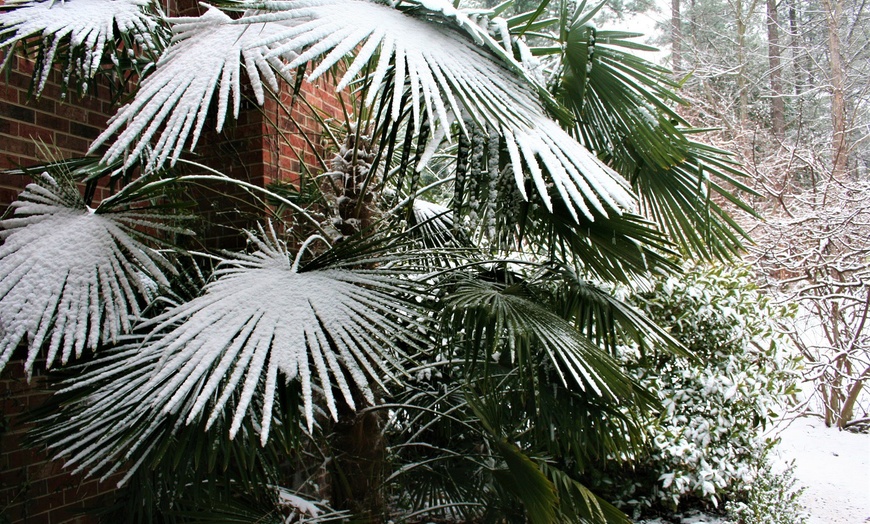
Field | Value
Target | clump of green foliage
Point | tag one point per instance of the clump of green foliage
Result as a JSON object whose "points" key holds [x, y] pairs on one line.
{"points": [[708, 443], [773, 499]]}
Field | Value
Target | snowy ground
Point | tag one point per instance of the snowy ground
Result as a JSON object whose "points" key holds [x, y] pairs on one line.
{"points": [[834, 466]]}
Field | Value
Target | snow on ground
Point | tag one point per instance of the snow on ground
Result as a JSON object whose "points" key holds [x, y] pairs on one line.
{"points": [[834, 466]]}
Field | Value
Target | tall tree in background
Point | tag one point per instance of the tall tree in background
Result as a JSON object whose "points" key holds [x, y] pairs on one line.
{"points": [[743, 12], [833, 12], [676, 37], [777, 103], [811, 158]]}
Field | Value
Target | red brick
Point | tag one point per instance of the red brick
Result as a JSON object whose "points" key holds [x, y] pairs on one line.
{"points": [[16, 112], [72, 143], [8, 127], [36, 133], [50, 121], [97, 120], [19, 80], [83, 130], [43, 517], [72, 113], [44, 104]]}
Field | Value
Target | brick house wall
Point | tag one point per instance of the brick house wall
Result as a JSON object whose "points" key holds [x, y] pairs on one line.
{"points": [[33, 489]]}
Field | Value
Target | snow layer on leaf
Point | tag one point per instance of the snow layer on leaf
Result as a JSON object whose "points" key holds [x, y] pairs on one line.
{"points": [[449, 75], [452, 68], [87, 23], [69, 277], [207, 54], [324, 328]]}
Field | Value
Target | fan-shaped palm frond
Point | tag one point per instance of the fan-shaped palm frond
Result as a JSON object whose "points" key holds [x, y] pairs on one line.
{"points": [[449, 75], [70, 275], [86, 26], [332, 330], [495, 316], [263, 315], [437, 231], [465, 448], [620, 102], [105, 425], [206, 55]]}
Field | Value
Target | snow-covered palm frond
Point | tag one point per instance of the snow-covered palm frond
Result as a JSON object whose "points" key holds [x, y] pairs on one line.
{"points": [[264, 315], [71, 276], [453, 69], [435, 225], [85, 25], [456, 70], [206, 55], [330, 328]]}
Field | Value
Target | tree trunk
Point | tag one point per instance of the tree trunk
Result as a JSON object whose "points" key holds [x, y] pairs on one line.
{"points": [[676, 37], [359, 453], [839, 150], [693, 22], [847, 412], [795, 49], [777, 104], [357, 440], [742, 83]]}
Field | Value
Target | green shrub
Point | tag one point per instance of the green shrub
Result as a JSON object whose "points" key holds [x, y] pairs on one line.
{"points": [[707, 446], [772, 499]]}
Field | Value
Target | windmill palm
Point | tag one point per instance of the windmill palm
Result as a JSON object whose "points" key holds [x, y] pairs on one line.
{"points": [[569, 173]]}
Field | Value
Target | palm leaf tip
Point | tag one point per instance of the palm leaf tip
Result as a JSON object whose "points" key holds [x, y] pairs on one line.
{"points": [[70, 277], [261, 316], [85, 25], [206, 58]]}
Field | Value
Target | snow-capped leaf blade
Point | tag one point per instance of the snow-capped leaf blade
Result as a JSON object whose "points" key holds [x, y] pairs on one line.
{"points": [[70, 277], [85, 26], [206, 55], [325, 328], [453, 69]]}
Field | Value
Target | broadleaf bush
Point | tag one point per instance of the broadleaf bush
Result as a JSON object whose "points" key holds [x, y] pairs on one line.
{"points": [[709, 443]]}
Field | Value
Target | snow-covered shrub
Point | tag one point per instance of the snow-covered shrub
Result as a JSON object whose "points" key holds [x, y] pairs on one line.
{"points": [[706, 444], [772, 499]]}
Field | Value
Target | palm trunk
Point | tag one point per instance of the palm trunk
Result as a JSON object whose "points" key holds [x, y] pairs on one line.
{"points": [[357, 439]]}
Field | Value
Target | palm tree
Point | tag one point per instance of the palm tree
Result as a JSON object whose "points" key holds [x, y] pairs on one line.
{"points": [[442, 362]]}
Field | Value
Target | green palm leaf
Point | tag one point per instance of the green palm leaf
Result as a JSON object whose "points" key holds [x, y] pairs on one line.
{"points": [[622, 104], [494, 315]]}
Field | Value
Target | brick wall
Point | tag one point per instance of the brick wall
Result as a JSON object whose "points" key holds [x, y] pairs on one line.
{"points": [[32, 488], [66, 126]]}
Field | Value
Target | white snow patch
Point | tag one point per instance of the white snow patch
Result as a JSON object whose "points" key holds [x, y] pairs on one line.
{"points": [[833, 466]]}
